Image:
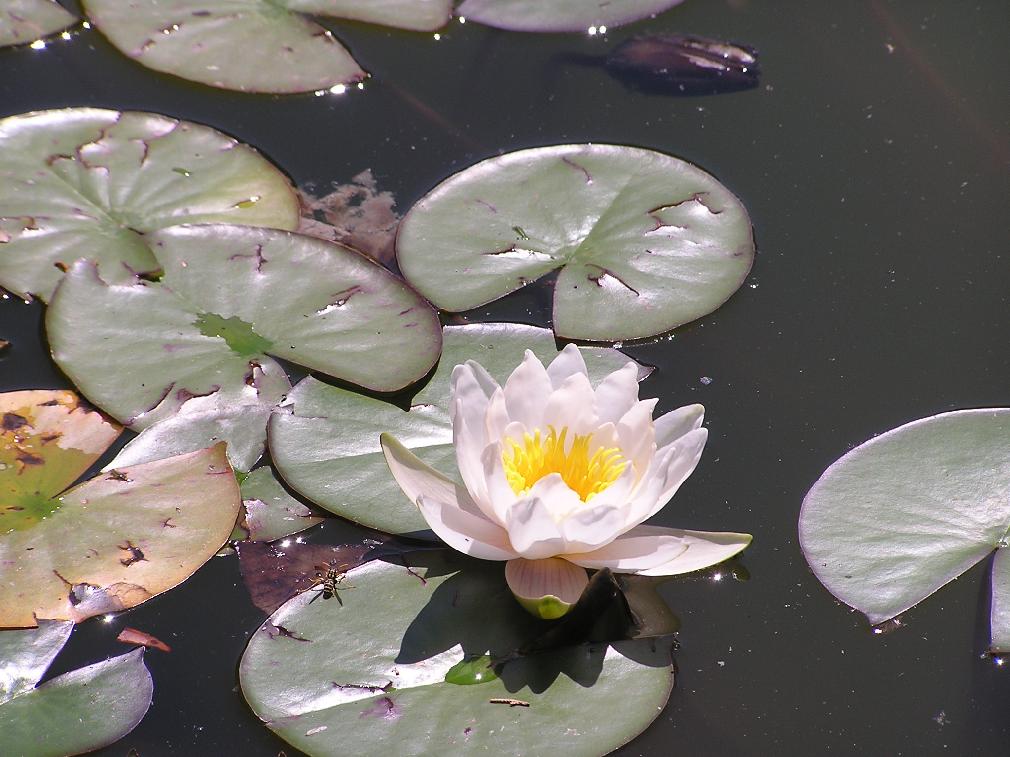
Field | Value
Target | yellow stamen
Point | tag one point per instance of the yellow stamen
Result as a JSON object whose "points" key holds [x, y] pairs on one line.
{"points": [[536, 456]]}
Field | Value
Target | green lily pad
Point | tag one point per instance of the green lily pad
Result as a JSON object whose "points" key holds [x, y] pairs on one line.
{"points": [[28, 20], [560, 15], [237, 415], [643, 242], [230, 295], [107, 544], [411, 627], [208, 42], [89, 183], [270, 513], [324, 440], [76, 712], [912, 509]]}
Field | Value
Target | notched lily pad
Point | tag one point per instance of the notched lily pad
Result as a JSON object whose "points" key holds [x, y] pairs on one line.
{"points": [[24, 21], [903, 514], [76, 712], [112, 542], [209, 42], [268, 511], [324, 440], [643, 242], [89, 183], [560, 15], [318, 692], [229, 292]]}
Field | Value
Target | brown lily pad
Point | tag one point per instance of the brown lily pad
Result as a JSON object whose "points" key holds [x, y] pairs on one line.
{"points": [[107, 544]]}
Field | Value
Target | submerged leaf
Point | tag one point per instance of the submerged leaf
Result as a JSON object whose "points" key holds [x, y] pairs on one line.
{"points": [[643, 242], [357, 215], [273, 573], [209, 42], [412, 627], [560, 15], [24, 21], [912, 509], [89, 183], [324, 441]]}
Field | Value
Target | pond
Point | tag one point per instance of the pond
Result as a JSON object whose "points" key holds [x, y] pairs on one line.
{"points": [[872, 158]]}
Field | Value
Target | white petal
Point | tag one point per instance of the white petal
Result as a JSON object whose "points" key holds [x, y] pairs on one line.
{"points": [[499, 492], [445, 505], [533, 533], [469, 445], [684, 456], [676, 423], [568, 362], [617, 393], [526, 391], [552, 576], [637, 435], [658, 551], [573, 405], [559, 499], [592, 527], [470, 392], [479, 373], [497, 419]]}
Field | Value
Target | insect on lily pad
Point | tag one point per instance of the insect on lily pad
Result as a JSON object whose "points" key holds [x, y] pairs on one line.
{"points": [[318, 690]]}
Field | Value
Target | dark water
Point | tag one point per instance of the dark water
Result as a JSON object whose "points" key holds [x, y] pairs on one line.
{"points": [[873, 160]]}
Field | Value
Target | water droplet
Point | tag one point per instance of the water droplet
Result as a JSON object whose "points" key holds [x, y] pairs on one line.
{"points": [[706, 380]]}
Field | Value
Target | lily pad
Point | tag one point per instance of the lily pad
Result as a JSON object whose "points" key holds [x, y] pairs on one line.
{"points": [[237, 416], [388, 689], [912, 509], [89, 183], [76, 712], [324, 440], [269, 512], [643, 242], [28, 20], [47, 440], [209, 42], [107, 544], [230, 297], [560, 15]]}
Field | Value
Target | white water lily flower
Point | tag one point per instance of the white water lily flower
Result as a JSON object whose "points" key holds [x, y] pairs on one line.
{"points": [[558, 476]]}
